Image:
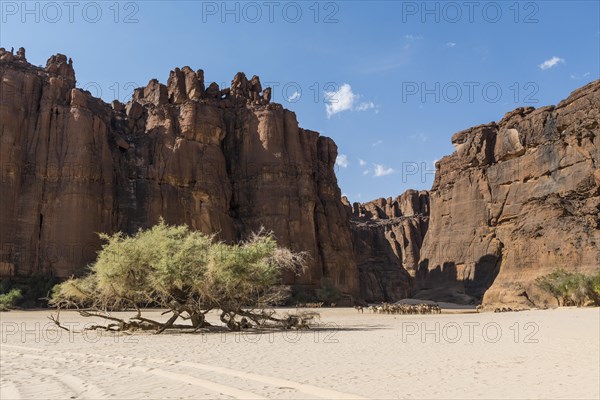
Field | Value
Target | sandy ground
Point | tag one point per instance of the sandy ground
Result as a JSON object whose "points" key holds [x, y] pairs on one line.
{"points": [[533, 354]]}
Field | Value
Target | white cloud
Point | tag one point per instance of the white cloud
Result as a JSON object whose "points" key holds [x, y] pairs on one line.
{"points": [[362, 162], [450, 44], [366, 172], [578, 77], [377, 143], [294, 97], [365, 106], [342, 161], [551, 63], [380, 170], [345, 100], [339, 101]]}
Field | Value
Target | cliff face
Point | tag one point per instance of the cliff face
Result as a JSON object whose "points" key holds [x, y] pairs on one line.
{"points": [[387, 236], [516, 200], [223, 161]]}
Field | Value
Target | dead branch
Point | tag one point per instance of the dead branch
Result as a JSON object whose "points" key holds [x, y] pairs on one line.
{"points": [[57, 322]]}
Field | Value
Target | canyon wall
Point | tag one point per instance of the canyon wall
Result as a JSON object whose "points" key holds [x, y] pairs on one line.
{"points": [[387, 235], [222, 160], [516, 200]]}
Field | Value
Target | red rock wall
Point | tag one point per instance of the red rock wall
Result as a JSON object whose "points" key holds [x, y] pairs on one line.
{"points": [[225, 161], [517, 199], [387, 236]]}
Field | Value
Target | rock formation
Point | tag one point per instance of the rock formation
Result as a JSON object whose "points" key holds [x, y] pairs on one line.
{"points": [[225, 162], [516, 200], [387, 236]]}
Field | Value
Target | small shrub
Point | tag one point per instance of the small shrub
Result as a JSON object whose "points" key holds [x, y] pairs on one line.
{"points": [[571, 288], [10, 299], [35, 290], [594, 287]]}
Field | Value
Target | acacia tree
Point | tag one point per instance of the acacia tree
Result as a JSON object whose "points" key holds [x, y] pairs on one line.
{"points": [[187, 273]]}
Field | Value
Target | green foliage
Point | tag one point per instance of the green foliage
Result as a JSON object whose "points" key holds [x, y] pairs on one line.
{"points": [[552, 283], [182, 270], [571, 288], [596, 283], [10, 299], [594, 287], [35, 290], [162, 265]]}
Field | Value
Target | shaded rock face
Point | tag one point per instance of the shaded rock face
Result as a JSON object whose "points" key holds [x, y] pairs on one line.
{"points": [[516, 200], [387, 236], [222, 161]]}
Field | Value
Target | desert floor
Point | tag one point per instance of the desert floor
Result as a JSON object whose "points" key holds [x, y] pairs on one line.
{"points": [[530, 354]]}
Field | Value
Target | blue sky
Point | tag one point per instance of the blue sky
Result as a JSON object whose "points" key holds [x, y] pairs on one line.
{"points": [[389, 81]]}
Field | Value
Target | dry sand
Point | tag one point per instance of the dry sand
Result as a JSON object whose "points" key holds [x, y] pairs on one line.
{"points": [[531, 354]]}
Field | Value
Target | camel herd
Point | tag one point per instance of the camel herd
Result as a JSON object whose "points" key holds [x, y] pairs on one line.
{"points": [[313, 305], [482, 308], [386, 308]]}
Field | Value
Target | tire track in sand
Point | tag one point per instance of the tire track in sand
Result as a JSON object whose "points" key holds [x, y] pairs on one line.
{"points": [[208, 385], [29, 388], [277, 382], [85, 390]]}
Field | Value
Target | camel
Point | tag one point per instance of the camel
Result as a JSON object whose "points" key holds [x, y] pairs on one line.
{"points": [[405, 309]]}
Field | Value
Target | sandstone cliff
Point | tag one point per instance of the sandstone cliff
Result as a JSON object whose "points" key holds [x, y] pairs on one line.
{"points": [[516, 200], [387, 236], [223, 161]]}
